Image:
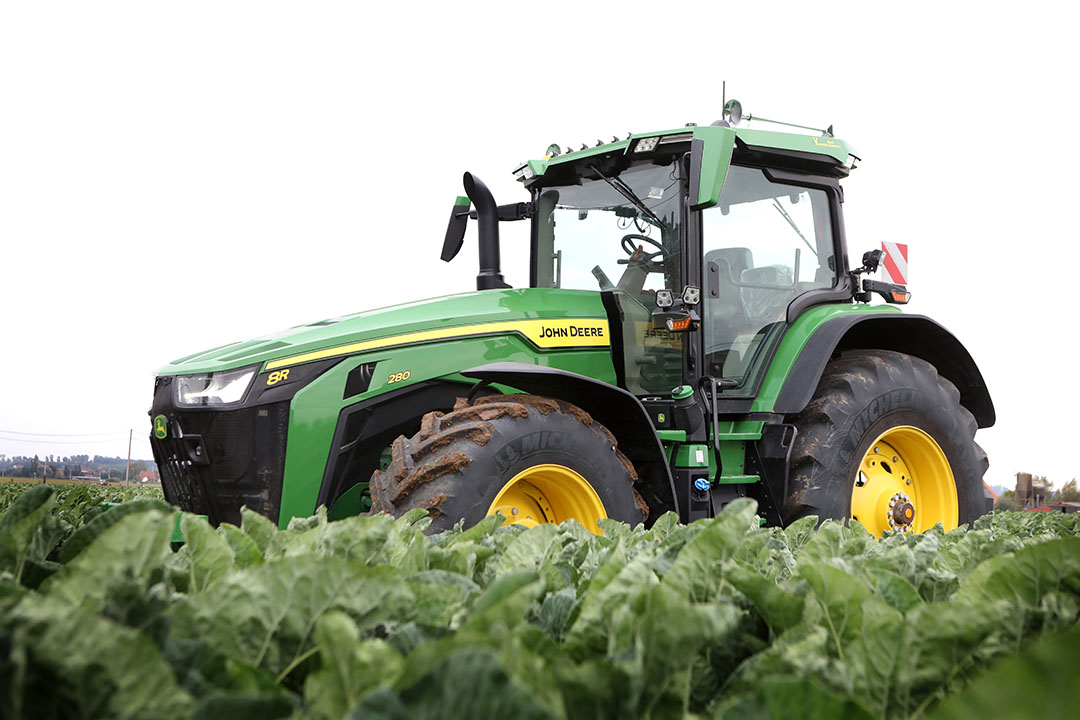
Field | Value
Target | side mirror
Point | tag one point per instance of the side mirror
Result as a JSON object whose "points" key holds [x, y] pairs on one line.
{"points": [[455, 229]]}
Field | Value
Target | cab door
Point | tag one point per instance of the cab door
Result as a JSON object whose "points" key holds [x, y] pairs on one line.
{"points": [[770, 240]]}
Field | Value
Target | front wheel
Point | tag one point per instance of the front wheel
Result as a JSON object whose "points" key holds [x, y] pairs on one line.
{"points": [[533, 459], [886, 441]]}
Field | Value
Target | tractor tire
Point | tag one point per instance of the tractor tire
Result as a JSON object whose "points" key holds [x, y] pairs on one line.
{"points": [[533, 458], [886, 441]]}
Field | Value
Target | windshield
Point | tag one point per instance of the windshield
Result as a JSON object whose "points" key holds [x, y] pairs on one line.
{"points": [[619, 230], [611, 230]]}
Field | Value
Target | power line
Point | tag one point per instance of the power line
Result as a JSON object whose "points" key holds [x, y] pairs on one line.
{"points": [[52, 438], [58, 442], [16, 432]]}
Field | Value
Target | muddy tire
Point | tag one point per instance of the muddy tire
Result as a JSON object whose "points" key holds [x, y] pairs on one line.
{"points": [[460, 462], [885, 439]]}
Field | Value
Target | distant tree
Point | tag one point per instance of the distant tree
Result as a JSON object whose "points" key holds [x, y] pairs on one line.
{"points": [[1069, 492], [1006, 501]]}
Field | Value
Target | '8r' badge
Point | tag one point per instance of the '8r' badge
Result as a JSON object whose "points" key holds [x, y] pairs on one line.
{"points": [[160, 427]]}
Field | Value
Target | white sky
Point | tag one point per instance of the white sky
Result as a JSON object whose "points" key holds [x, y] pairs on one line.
{"points": [[177, 176]]}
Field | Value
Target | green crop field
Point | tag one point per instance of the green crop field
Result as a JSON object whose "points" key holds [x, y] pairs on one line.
{"points": [[62, 481], [368, 617]]}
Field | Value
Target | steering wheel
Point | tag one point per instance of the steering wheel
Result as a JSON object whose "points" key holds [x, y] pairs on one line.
{"points": [[629, 248]]}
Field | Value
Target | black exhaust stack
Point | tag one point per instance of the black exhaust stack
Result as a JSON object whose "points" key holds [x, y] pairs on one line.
{"points": [[487, 218]]}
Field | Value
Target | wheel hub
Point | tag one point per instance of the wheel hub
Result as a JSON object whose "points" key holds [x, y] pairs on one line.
{"points": [[901, 512]]}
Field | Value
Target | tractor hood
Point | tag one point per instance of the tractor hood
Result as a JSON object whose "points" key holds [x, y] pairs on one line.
{"points": [[509, 310]]}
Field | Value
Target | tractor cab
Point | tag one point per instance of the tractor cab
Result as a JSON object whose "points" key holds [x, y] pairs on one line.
{"points": [[704, 241]]}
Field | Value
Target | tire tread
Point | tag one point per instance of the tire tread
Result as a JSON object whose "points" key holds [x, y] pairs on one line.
{"points": [[421, 466]]}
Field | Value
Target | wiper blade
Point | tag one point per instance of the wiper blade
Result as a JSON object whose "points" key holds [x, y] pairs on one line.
{"points": [[627, 193], [784, 214]]}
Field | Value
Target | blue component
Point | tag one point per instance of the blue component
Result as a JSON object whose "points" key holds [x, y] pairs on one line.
{"points": [[702, 484]]}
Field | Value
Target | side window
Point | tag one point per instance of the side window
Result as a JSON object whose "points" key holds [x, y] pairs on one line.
{"points": [[765, 244]]}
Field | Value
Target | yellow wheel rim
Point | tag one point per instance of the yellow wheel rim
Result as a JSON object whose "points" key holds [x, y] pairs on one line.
{"points": [[548, 494], [904, 483]]}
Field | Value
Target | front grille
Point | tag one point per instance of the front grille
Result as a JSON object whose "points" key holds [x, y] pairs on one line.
{"points": [[215, 462]]}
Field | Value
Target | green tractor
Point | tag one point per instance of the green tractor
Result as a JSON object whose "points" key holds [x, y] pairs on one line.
{"points": [[693, 332]]}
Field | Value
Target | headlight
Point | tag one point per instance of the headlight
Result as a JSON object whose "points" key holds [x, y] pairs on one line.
{"points": [[220, 388]]}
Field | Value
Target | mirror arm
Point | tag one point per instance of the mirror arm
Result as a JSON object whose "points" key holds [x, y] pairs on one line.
{"points": [[507, 213], [517, 211]]}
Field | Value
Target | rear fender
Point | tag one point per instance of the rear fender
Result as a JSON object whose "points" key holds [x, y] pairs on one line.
{"points": [[910, 334]]}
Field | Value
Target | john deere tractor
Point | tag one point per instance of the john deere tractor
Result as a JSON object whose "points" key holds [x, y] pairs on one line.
{"points": [[693, 331]]}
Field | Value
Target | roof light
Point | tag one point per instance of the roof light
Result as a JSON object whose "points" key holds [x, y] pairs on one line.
{"points": [[646, 144], [679, 137], [524, 173]]}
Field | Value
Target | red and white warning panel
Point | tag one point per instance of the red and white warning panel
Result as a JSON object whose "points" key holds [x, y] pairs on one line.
{"points": [[895, 263]]}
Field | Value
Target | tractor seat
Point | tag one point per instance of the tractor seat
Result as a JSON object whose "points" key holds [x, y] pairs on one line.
{"points": [[723, 307], [765, 305]]}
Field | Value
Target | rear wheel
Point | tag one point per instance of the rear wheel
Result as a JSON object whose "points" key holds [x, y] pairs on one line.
{"points": [[886, 441], [533, 459]]}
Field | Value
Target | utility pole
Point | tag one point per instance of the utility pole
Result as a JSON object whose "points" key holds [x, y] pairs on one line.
{"points": [[127, 470]]}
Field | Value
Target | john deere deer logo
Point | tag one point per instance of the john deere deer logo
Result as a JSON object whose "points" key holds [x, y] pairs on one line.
{"points": [[160, 428]]}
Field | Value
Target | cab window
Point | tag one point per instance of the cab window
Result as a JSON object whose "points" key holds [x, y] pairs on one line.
{"points": [[765, 244]]}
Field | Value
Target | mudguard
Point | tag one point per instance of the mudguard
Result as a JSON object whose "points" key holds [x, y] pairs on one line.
{"points": [[911, 334], [618, 410]]}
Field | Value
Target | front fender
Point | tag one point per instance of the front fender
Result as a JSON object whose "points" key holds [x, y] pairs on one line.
{"points": [[618, 410]]}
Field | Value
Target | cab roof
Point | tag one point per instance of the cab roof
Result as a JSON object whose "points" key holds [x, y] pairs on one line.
{"points": [[716, 143]]}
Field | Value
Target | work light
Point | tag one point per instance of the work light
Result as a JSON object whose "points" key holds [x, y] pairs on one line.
{"points": [[646, 144]]}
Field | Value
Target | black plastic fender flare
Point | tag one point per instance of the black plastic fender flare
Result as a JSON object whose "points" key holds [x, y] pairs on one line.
{"points": [[915, 335], [616, 409]]}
